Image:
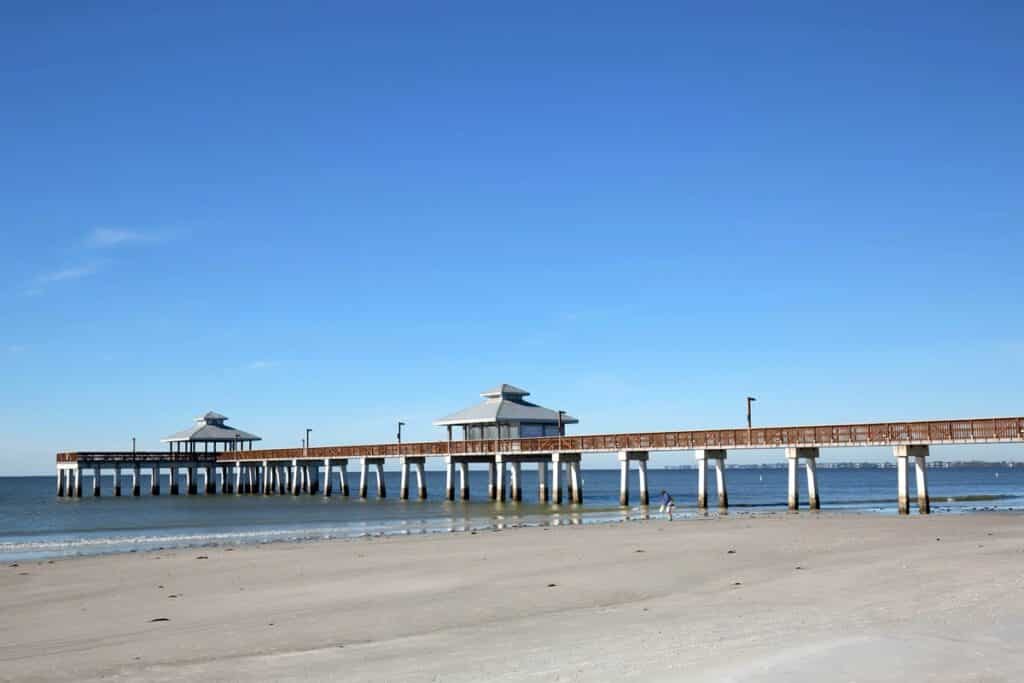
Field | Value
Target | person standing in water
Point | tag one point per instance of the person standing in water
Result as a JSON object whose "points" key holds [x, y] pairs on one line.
{"points": [[667, 504]]}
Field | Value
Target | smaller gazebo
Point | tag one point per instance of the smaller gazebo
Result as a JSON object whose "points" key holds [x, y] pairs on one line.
{"points": [[210, 429]]}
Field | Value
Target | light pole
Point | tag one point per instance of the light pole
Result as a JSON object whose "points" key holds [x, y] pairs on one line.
{"points": [[306, 442], [133, 445], [400, 425], [750, 399]]}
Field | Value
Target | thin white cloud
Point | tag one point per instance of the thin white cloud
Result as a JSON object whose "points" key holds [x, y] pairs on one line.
{"points": [[260, 364], [73, 273], [109, 237]]}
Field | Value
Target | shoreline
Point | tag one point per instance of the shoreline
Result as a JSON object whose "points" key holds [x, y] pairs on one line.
{"points": [[660, 601], [316, 533]]}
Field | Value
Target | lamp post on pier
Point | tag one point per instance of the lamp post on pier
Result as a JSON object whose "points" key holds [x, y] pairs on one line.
{"points": [[750, 399]]}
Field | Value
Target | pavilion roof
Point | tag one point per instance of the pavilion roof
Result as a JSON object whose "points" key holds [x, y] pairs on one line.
{"points": [[211, 427], [505, 404]]}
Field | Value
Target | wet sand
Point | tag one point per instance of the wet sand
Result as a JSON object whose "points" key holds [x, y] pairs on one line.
{"points": [[833, 596]]}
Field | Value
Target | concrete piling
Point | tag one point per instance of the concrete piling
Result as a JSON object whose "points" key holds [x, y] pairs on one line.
{"points": [[517, 481], [421, 479], [809, 455], [556, 484], [343, 476], [403, 486], [813, 502], [718, 456], [626, 457], [542, 482], [500, 480], [919, 453], [902, 495], [381, 488], [464, 480], [449, 478]]}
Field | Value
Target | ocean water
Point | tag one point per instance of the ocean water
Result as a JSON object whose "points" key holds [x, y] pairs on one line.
{"points": [[35, 524]]}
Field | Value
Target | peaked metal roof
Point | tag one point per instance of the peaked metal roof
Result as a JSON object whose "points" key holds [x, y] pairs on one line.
{"points": [[211, 427], [505, 390], [505, 404]]}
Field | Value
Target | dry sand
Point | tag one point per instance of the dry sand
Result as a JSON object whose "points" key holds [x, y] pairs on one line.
{"points": [[834, 597]]}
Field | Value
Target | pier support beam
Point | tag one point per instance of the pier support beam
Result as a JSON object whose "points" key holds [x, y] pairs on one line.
{"points": [[210, 480], [640, 458], [136, 490], [96, 481], [449, 478], [313, 476], [809, 456], [542, 482], [718, 456], [499, 480], [363, 476], [492, 480], [60, 482], [154, 481], [924, 504], [190, 480], [517, 481], [403, 485], [382, 491], [641, 468], [343, 476], [919, 454], [78, 481], [813, 501], [117, 480], [328, 484], [576, 480], [464, 480], [556, 485], [296, 481], [421, 479]]}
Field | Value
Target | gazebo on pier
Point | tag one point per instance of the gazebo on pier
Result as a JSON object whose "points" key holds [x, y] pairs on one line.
{"points": [[506, 414], [210, 429]]}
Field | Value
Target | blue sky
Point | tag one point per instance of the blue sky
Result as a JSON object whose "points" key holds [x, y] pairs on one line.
{"points": [[339, 215]]}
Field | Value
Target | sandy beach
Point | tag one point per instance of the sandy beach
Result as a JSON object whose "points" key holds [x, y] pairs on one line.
{"points": [[842, 597]]}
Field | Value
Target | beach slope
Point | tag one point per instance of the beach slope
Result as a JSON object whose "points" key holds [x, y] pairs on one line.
{"points": [[840, 597]]}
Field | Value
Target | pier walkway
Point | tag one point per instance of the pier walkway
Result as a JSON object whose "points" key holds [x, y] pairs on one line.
{"points": [[298, 470]]}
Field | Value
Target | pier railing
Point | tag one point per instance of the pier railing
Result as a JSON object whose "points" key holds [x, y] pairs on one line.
{"points": [[130, 457], [988, 430]]}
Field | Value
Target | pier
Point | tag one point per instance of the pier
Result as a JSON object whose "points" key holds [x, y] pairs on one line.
{"points": [[558, 458]]}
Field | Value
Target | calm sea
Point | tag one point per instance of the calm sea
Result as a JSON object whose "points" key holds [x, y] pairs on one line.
{"points": [[34, 523]]}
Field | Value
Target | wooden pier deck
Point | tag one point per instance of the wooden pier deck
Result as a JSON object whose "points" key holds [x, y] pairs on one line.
{"points": [[298, 470]]}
